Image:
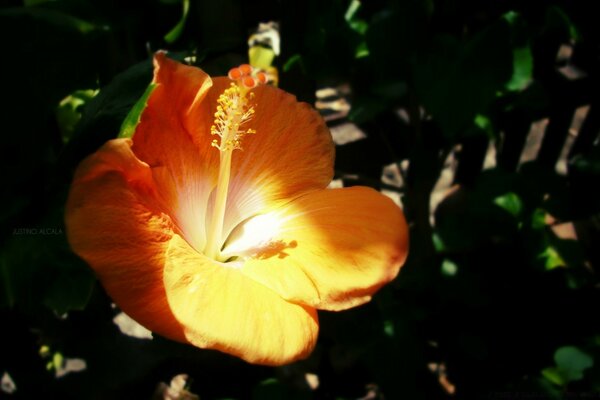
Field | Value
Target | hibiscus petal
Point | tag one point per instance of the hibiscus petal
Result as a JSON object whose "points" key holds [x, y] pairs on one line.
{"points": [[183, 172], [222, 309], [114, 224], [330, 249], [291, 153]]}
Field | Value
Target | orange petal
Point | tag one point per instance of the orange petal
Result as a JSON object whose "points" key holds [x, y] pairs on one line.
{"points": [[291, 153], [329, 249], [184, 173], [113, 223], [222, 309]]}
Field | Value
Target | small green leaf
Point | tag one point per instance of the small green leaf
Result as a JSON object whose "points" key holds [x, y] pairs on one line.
{"points": [[133, 118], [522, 69], [552, 258], [292, 61], [510, 202], [449, 268], [57, 360], [71, 290], [68, 112], [388, 328], [538, 219], [361, 50], [554, 375], [352, 9], [571, 361], [558, 20], [438, 242], [175, 33]]}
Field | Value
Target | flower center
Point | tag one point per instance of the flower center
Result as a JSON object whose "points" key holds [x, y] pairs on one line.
{"points": [[234, 110]]}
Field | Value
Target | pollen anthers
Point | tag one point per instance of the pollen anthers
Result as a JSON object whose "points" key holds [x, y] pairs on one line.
{"points": [[234, 108]]}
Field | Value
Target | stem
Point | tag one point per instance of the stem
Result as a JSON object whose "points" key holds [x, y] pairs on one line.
{"points": [[213, 244]]}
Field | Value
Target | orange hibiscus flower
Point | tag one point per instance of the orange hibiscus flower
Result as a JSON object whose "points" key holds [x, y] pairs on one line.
{"points": [[230, 249]]}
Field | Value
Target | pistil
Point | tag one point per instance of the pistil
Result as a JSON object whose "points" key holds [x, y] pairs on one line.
{"points": [[233, 112]]}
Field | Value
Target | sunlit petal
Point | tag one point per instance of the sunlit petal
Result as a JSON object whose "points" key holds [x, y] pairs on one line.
{"points": [[330, 249], [183, 172], [220, 308]]}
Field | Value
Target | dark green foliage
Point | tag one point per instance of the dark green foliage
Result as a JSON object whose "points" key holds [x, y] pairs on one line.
{"points": [[494, 301]]}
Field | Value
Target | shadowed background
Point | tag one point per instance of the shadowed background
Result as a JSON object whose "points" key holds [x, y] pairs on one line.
{"points": [[480, 118]]}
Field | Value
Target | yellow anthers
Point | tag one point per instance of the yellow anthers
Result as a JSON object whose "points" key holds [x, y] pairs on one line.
{"points": [[233, 112]]}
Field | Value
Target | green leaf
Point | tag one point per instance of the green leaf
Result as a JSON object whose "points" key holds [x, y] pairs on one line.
{"points": [[522, 69], [133, 118], [68, 112], [358, 25], [510, 202], [572, 362], [388, 328], [552, 258], [557, 20], [449, 268], [49, 16], [103, 116], [366, 108], [175, 33], [294, 60], [457, 81], [71, 290], [352, 9], [538, 219], [555, 376], [57, 360]]}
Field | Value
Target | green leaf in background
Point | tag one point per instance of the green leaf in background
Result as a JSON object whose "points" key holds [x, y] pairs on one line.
{"points": [[294, 60], [366, 108], [449, 268], [52, 17], [175, 33], [522, 69], [457, 81], [511, 203], [133, 118], [103, 116], [405, 25], [551, 258], [557, 20], [70, 290], [571, 362], [359, 26], [68, 112]]}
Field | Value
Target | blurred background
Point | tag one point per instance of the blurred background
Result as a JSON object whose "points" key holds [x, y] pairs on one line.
{"points": [[480, 118]]}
